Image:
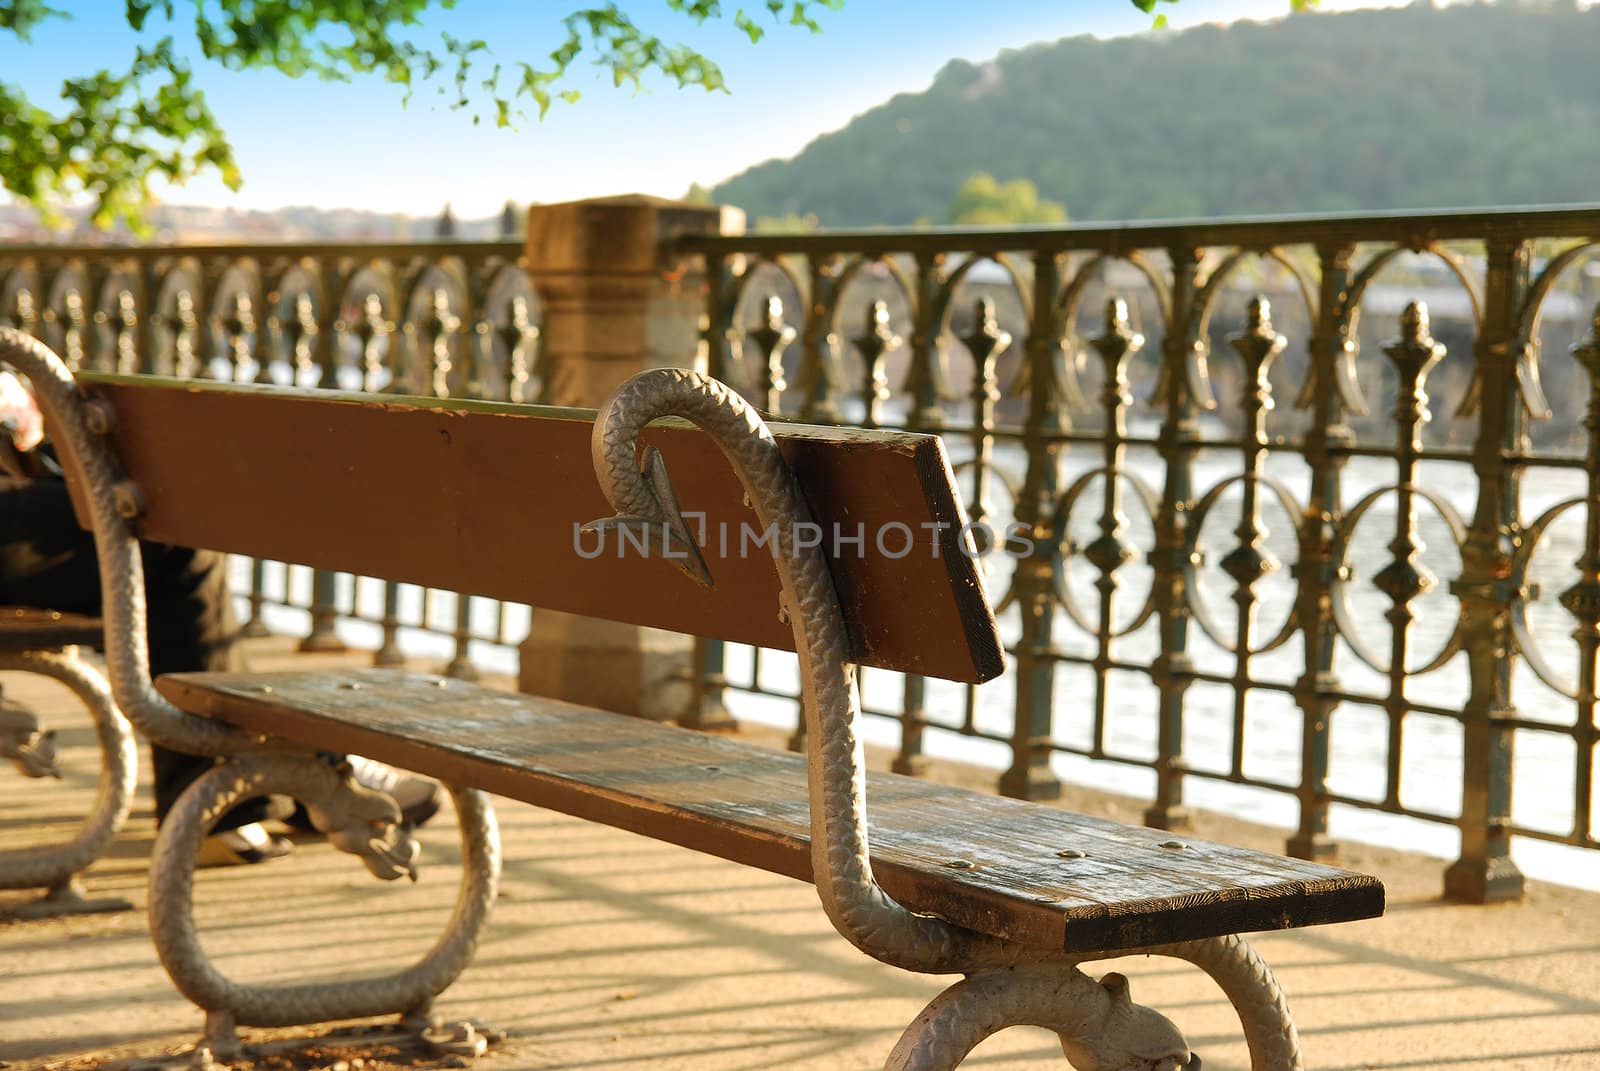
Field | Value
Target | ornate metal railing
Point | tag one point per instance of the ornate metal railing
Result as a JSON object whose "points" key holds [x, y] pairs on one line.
{"points": [[1288, 530], [437, 318], [1433, 546]]}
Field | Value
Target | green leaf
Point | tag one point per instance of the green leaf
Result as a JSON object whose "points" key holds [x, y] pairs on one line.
{"points": [[21, 16], [119, 131], [751, 29], [1148, 6]]}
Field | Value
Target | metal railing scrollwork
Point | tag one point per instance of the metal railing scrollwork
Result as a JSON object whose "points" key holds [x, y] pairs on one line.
{"points": [[1300, 495], [1324, 599]]}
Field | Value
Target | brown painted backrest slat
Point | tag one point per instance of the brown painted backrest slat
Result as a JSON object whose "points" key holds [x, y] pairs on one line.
{"points": [[483, 498]]}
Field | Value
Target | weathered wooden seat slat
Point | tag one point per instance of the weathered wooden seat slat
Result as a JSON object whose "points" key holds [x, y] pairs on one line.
{"points": [[748, 804], [23, 628]]}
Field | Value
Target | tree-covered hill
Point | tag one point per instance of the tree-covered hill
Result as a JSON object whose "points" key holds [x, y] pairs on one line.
{"points": [[1400, 108]]}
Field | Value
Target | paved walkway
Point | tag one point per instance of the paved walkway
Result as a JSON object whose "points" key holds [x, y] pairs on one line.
{"points": [[611, 951]]}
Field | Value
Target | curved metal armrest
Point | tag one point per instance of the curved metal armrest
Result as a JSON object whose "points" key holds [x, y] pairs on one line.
{"points": [[79, 427]]}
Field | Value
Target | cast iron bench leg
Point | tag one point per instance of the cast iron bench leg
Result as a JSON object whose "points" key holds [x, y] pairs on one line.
{"points": [[55, 867], [1101, 1029], [347, 814]]}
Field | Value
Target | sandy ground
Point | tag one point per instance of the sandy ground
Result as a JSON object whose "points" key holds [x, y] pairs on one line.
{"points": [[612, 951]]}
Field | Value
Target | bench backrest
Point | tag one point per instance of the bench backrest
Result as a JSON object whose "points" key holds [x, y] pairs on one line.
{"points": [[485, 498]]}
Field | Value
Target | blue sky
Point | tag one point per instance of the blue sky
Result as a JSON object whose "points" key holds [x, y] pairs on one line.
{"points": [[336, 145]]}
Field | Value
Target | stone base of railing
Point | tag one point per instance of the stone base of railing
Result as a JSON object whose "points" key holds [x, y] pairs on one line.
{"points": [[626, 668]]}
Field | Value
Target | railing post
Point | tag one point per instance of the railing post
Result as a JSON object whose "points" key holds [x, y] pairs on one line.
{"points": [[1412, 355], [464, 326], [986, 343], [324, 635], [927, 388], [147, 355], [262, 349], [329, 324], [1314, 571], [440, 326], [1486, 591], [1249, 561], [70, 322], [914, 712], [238, 324], [50, 269], [300, 332], [1116, 345], [926, 385], [324, 584], [1030, 776], [520, 336], [708, 685], [1172, 671], [373, 325], [25, 313], [772, 336], [926, 382], [1582, 599], [617, 297], [126, 322], [819, 344], [369, 328], [707, 708], [389, 652], [876, 341], [461, 665], [100, 349], [301, 325], [185, 326]]}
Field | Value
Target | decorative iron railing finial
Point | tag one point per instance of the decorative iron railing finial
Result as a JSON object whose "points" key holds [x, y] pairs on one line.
{"points": [[772, 336], [1582, 600], [985, 342], [874, 343]]}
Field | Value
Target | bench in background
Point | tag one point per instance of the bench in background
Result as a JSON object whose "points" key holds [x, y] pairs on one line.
{"points": [[46, 642]]}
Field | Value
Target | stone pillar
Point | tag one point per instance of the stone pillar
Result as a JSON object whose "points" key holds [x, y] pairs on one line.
{"points": [[616, 299]]}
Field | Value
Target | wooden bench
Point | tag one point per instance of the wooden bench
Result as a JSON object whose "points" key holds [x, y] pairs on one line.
{"points": [[486, 499], [46, 642]]}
